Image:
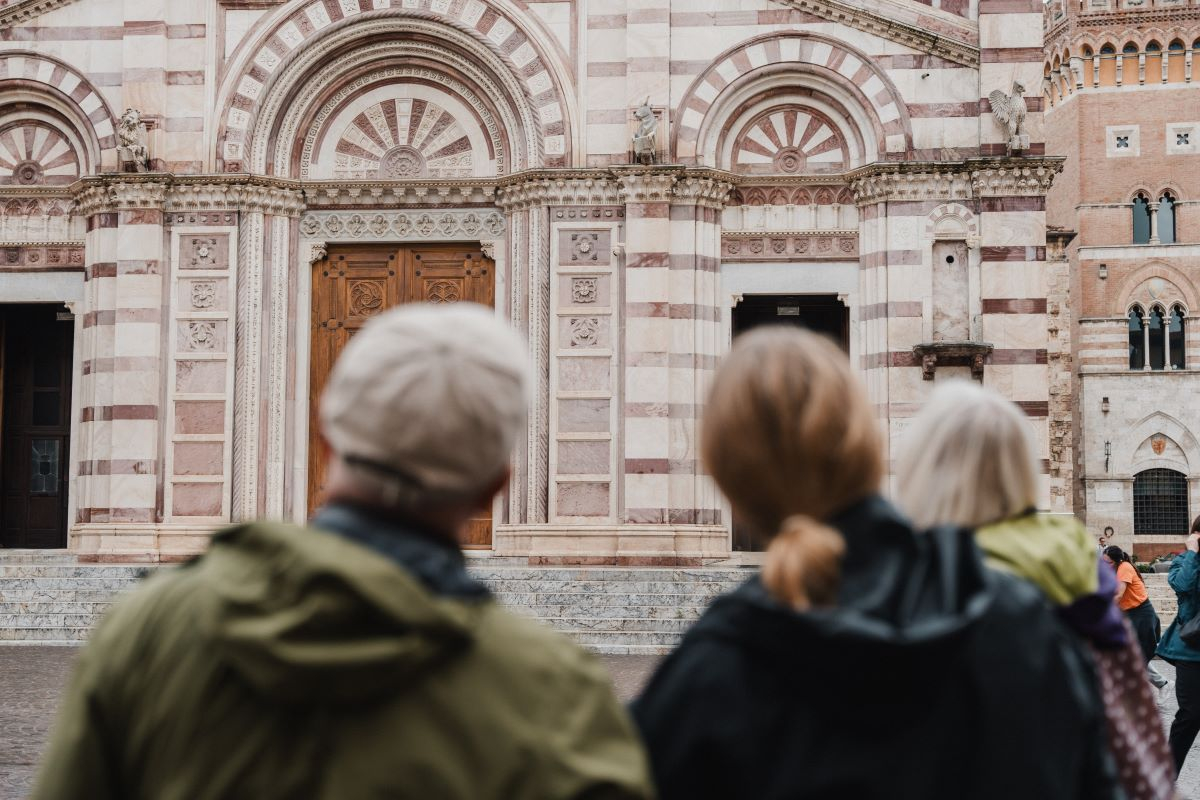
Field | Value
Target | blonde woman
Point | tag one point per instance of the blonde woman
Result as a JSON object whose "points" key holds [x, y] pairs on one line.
{"points": [[866, 660], [968, 461]]}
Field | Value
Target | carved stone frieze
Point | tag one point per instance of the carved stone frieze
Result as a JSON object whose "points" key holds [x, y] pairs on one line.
{"points": [[403, 225], [19, 11], [963, 50], [372, 194], [574, 189], [702, 191], [832, 245], [647, 186], [42, 255], [1028, 177], [174, 194]]}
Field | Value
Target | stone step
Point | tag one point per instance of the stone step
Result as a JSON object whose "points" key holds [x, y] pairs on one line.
{"points": [[34, 634], [616, 625], [69, 595], [60, 584], [645, 638], [52, 607], [628, 586], [58, 621], [19, 556], [30, 570], [674, 574]]}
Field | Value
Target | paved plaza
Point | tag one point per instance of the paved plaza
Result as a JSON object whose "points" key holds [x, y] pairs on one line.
{"points": [[33, 677]]}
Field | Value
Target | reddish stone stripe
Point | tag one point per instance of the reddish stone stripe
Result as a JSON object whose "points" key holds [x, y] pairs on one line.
{"points": [[930, 110], [1011, 7], [1017, 356], [1034, 408], [1012, 253], [117, 412], [647, 261], [1018, 305], [697, 263], [101, 269], [138, 27], [198, 31], [606, 21], [647, 410], [108, 219], [64, 33], [906, 308], [110, 515], [642, 359], [913, 208], [694, 311], [141, 216], [1012, 203], [1035, 149], [658, 210], [138, 267], [1010, 55], [118, 467], [647, 466], [906, 358]]}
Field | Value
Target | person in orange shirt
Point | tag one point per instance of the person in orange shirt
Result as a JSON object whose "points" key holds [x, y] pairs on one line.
{"points": [[1133, 600]]}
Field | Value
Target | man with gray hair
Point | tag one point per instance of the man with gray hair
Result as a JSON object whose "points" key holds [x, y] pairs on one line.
{"points": [[356, 658]]}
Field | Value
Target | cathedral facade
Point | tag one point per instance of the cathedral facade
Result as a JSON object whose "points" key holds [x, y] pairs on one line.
{"points": [[201, 202]]}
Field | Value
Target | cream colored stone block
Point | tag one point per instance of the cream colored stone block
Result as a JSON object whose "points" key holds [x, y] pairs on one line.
{"points": [[953, 132], [133, 491], [607, 139], [1010, 30], [648, 334], [136, 389], [136, 339], [1013, 279], [646, 437], [647, 491], [134, 439], [646, 285], [647, 384], [1013, 228]]}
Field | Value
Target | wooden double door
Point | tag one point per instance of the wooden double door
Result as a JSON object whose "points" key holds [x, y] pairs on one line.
{"points": [[356, 282], [35, 424]]}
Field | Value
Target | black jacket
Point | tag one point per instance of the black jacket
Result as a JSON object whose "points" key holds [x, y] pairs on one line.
{"points": [[933, 678]]}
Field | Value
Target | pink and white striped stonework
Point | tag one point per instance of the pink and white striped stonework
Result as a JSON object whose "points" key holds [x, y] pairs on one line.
{"points": [[806, 150]]}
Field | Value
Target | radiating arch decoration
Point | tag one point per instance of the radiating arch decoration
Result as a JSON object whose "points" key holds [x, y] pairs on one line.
{"points": [[522, 85], [802, 70], [48, 108], [789, 139]]}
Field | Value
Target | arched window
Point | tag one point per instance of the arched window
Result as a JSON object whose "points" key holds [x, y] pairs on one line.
{"points": [[1175, 45], [1141, 219], [1129, 49], [1166, 219], [1175, 337], [1107, 50], [1160, 502], [1087, 52], [1157, 349], [1154, 47], [1137, 340]]}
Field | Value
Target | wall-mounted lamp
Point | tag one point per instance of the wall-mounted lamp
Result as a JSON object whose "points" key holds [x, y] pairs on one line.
{"points": [[1104, 404], [1107, 454], [1103, 271]]}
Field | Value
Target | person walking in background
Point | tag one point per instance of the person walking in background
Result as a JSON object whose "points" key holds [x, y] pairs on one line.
{"points": [[1184, 578], [1133, 599], [968, 460], [865, 660], [356, 658]]}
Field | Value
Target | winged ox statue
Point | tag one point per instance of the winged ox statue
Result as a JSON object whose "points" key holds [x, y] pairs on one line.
{"points": [[1009, 110]]}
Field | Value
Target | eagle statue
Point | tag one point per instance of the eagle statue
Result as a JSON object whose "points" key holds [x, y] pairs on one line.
{"points": [[1009, 110]]}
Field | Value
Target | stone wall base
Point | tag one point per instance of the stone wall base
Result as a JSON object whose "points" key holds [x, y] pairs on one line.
{"points": [[133, 543], [619, 545]]}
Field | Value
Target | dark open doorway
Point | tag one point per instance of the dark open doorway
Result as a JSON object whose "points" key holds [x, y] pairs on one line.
{"points": [[822, 313], [35, 424]]}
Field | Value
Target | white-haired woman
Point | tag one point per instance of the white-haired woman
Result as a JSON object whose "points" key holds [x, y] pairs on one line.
{"points": [[968, 460]]}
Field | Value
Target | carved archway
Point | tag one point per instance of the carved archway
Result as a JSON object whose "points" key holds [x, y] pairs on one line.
{"points": [[804, 68], [306, 53]]}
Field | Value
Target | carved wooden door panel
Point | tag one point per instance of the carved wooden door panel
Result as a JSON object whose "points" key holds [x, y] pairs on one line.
{"points": [[354, 283]]}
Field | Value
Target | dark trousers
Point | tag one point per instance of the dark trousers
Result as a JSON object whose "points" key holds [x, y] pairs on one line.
{"points": [[1187, 718]]}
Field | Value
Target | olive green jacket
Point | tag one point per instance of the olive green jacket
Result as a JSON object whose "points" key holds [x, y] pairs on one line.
{"points": [[294, 663]]}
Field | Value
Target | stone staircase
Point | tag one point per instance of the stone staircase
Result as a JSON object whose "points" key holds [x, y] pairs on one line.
{"points": [[51, 598]]}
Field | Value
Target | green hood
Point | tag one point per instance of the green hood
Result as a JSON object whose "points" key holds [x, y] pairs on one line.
{"points": [[307, 616], [1053, 552]]}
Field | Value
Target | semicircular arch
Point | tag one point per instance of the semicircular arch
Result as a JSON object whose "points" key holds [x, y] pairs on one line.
{"points": [[298, 40], [813, 61], [1139, 288]]}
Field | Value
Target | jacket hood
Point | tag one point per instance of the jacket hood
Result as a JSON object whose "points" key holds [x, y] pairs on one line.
{"points": [[903, 596], [307, 616], [1053, 552]]}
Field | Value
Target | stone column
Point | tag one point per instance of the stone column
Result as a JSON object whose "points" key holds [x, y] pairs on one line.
{"points": [[120, 448], [645, 466]]}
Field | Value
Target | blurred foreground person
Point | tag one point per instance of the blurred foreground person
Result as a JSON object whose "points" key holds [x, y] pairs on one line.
{"points": [[968, 460], [1184, 578], [356, 658], [865, 661]]}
